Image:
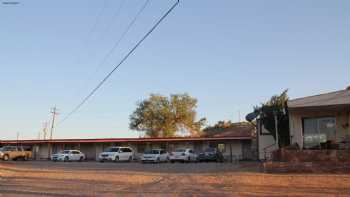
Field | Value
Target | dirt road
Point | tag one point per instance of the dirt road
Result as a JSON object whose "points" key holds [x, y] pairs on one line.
{"points": [[29, 179]]}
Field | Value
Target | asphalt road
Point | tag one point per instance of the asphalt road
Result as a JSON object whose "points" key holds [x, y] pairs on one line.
{"points": [[33, 178]]}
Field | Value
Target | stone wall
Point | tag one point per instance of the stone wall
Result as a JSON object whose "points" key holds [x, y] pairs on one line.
{"points": [[307, 167], [296, 156]]}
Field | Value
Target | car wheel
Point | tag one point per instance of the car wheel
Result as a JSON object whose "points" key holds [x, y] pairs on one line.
{"points": [[6, 158], [189, 159], [66, 159], [116, 159], [167, 159], [172, 161], [81, 159]]}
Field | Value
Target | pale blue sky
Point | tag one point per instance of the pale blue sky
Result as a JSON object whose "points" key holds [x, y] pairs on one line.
{"points": [[231, 55]]}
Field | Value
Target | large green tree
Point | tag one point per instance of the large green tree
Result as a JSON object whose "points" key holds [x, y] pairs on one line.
{"points": [[277, 105], [161, 116]]}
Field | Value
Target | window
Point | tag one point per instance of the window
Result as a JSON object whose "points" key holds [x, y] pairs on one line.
{"points": [[9, 148], [112, 150], [126, 150], [141, 148], [180, 150], [75, 152], [221, 148], [318, 131]]}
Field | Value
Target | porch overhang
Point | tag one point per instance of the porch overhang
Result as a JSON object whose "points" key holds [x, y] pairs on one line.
{"points": [[328, 108], [333, 101], [123, 140]]}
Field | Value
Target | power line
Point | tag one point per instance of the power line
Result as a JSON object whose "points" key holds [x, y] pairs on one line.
{"points": [[87, 39], [121, 62], [116, 44], [97, 19], [110, 52], [116, 15]]}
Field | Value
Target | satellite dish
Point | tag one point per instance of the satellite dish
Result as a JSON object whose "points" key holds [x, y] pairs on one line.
{"points": [[251, 116]]}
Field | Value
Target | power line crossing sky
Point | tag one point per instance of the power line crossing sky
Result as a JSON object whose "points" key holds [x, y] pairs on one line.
{"points": [[230, 55]]}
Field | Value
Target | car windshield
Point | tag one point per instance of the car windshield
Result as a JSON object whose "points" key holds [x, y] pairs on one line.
{"points": [[151, 152], [180, 150], [210, 150], [9, 148], [112, 150]]}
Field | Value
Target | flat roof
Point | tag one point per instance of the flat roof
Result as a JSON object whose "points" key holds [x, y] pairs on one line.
{"points": [[111, 140], [337, 98]]}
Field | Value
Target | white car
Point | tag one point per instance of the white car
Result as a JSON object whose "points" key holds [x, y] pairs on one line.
{"points": [[155, 155], [116, 154], [183, 155], [68, 155]]}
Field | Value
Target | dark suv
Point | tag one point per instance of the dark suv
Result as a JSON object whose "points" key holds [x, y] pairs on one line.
{"points": [[210, 154]]}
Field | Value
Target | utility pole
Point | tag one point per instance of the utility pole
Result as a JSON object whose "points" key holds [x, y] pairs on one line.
{"points": [[54, 113], [45, 130]]}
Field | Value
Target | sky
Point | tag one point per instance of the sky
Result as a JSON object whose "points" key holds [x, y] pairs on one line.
{"points": [[230, 55]]}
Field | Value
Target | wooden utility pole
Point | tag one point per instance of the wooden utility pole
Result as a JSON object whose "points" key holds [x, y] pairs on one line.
{"points": [[54, 113], [45, 130]]}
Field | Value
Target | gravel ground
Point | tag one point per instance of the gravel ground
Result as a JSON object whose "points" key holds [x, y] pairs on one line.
{"points": [[34, 178]]}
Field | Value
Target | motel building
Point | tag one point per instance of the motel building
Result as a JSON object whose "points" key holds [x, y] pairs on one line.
{"points": [[232, 146]]}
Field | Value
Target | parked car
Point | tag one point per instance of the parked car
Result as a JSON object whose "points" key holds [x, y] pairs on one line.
{"points": [[155, 155], [15, 153], [68, 155], [211, 154], [116, 154], [183, 155]]}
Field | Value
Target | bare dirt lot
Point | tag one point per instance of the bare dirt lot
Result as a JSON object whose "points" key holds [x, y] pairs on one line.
{"points": [[43, 178]]}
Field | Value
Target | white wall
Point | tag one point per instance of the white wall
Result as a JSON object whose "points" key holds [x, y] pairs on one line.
{"points": [[43, 151], [236, 149], [266, 142]]}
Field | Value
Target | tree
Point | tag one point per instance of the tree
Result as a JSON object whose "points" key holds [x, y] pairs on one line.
{"points": [[161, 116], [277, 105]]}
